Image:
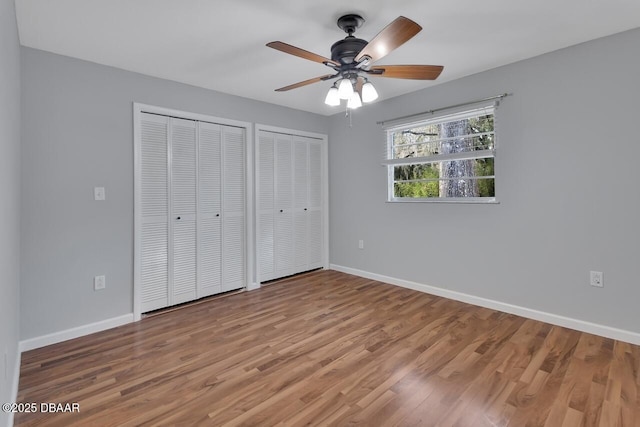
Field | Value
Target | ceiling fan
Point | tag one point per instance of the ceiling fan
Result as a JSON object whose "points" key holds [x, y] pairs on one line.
{"points": [[352, 59]]}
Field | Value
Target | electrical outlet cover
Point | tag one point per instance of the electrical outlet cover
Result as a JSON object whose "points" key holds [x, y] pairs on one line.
{"points": [[596, 279]]}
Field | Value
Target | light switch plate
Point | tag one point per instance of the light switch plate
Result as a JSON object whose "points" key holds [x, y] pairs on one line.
{"points": [[99, 193], [99, 282]]}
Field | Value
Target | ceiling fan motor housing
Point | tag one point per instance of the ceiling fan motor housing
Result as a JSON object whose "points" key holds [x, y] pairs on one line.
{"points": [[344, 51]]}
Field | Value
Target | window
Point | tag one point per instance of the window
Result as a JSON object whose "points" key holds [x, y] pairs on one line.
{"points": [[446, 158]]}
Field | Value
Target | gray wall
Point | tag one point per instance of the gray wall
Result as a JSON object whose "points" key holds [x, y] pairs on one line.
{"points": [[78, 134], [9, 198], [567, 179], [567, 173]]}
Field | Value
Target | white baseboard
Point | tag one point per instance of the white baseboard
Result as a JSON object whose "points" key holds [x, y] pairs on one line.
{"points": [[554, 319], [56, 337]]}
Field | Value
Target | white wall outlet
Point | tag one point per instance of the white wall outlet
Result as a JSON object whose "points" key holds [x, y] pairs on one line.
{"points": [[596, 279], [99, 282], [99, 193], [360, 244]]}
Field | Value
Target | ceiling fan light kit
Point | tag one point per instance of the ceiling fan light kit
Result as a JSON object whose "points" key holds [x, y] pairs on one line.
{"points": [[354, 102], [345, 89], [333, 97], [351, 60], [369, 93]]}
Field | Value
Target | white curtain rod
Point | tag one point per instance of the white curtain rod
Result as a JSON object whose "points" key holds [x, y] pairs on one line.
{"points": [[444, 108]]}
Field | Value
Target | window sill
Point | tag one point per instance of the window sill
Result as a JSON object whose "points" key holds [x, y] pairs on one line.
{"points": [[474, 201]]}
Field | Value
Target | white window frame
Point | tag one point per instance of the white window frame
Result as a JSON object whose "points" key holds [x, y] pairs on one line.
{"points": [[429, 119]]}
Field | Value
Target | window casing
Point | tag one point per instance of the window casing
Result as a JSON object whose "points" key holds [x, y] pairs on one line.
{"points": [[449, 158]]}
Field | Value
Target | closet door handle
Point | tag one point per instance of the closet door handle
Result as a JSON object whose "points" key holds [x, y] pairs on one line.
{"points": [[217, 215], [178, 218], [305, 209], [281, 210]]}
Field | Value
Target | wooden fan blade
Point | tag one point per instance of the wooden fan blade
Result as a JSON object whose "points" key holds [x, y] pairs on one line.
{"points": [[391, 37], [306, 82], [296, 51], [415, 72]]}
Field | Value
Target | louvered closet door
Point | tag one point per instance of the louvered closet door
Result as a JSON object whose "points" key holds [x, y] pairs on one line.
{"points": [[300, 203], [210, 209], [265, 195], [234, 188], [289, 204], [283, 221], [183, 220], [154, 203], [315, 226]]}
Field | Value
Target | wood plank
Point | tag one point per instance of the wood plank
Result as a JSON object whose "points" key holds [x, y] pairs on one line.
{"points": [[328, 348]]}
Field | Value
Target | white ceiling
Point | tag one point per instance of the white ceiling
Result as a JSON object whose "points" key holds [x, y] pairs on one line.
{"points": [[220, 44]]}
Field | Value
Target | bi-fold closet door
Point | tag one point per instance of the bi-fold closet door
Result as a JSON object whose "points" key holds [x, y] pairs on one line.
{"points": [[290, 208], [192, 210]]}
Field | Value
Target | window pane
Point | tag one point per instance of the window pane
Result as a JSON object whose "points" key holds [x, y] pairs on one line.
{"points": [[481, 124], [453, 169], [408, 172], [459, 178], [416, 190], [461, 144], [416, 142], [477, 187], [460, 136]]}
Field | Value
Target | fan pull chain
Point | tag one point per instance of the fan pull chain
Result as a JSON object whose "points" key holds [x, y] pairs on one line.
{"points": [[347, 114]]}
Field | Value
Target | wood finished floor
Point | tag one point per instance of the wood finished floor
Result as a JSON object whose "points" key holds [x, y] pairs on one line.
{"points": [[328, 348]]}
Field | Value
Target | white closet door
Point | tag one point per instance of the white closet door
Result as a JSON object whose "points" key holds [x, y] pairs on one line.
{"points": [[289, 204], [283, 221], [234, 188], [209, 209], [154, 202], [315, 226], [190, 205], [300, 203], [183, 194], [266, 194]]}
